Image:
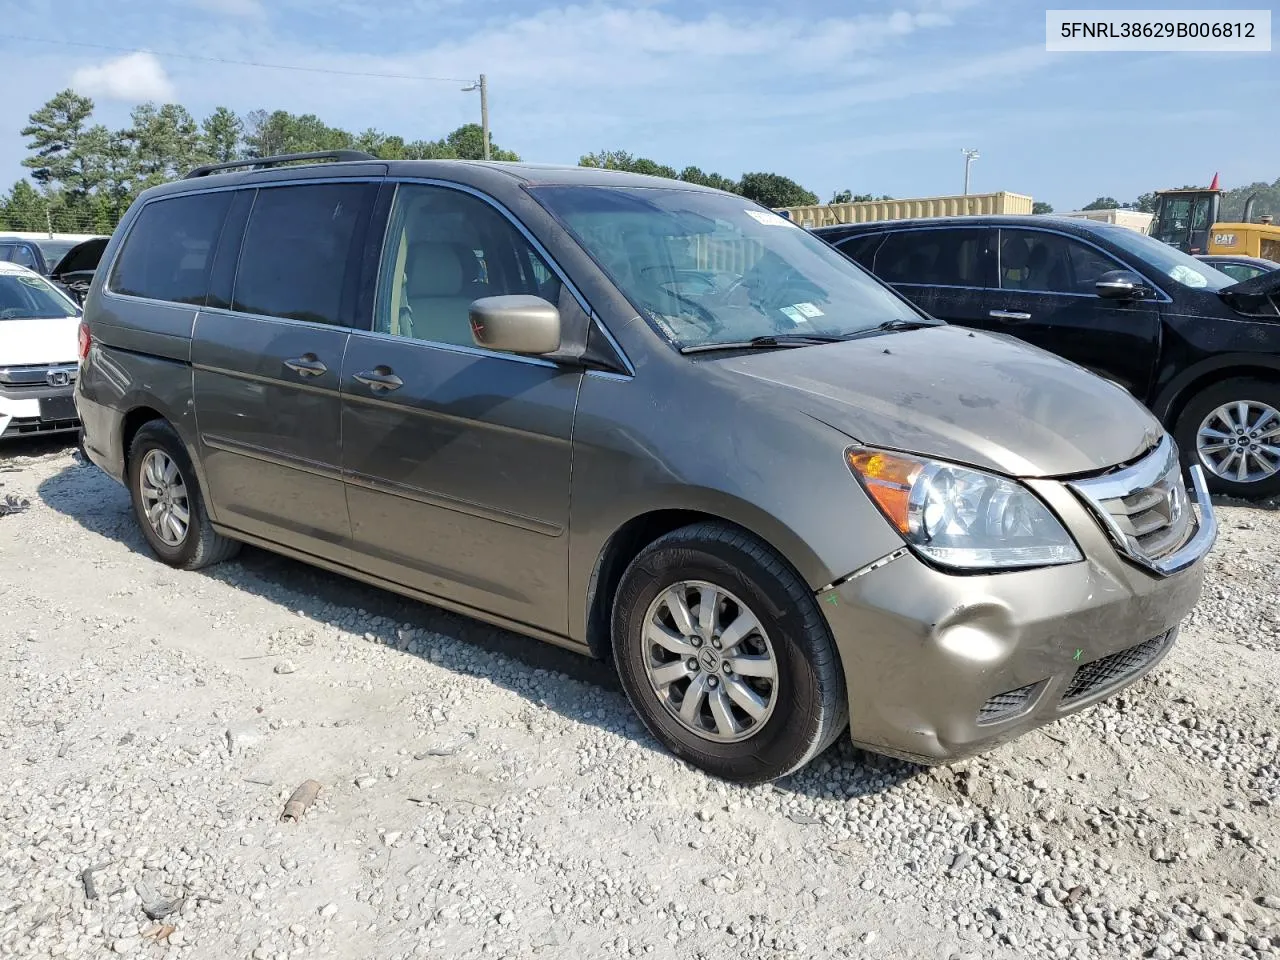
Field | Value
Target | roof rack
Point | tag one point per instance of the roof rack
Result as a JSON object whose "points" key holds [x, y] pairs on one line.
{"points": [[341, 155]]}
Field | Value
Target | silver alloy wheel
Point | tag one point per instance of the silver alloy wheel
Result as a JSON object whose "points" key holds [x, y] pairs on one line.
{"points": [[1240, 441], [164, 497], [710, 661]]}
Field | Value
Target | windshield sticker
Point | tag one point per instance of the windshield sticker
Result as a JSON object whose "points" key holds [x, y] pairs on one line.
{"points": [[792, 314], [808, 309], [32, 282], [769, 219], [1188, 277]]}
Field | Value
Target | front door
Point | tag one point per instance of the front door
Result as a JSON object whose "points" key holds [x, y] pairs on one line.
{"points": [[1046, 297], [457, 458], [267, 359]]}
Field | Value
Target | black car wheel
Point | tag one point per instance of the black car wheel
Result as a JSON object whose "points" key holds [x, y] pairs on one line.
{"points": [[1232, 429], [725, 655], [167, 501]]}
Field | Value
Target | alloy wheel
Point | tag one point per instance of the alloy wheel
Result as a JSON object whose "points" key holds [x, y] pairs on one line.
{"points": [[164, 497], [710, 662], [1240, 441]]}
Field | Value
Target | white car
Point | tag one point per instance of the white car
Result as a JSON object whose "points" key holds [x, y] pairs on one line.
{"points": [[39, 331]]}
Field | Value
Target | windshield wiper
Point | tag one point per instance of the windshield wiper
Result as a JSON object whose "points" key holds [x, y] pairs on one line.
{"points": [[767, 342], [892, 326]]}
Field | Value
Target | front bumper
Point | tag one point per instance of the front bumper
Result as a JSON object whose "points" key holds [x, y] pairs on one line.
{"points": [[941, 666], [32, 411]]}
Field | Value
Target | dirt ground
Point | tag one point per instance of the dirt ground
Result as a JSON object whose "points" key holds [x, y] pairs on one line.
{"points": [[485, 795]]}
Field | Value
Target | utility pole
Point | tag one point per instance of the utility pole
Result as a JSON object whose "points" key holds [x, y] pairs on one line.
{"points": [[48, 222], [969, 157], [483, 87]]}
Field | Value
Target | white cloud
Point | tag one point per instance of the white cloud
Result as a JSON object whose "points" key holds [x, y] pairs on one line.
{"points": [[232, 8], [134, 78]]}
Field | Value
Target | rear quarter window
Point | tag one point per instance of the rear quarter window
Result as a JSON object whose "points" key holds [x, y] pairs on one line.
{"points": [[169, 250]]}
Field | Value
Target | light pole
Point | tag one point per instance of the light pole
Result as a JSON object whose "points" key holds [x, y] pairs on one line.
{"points": [[969, 157], [483, 87]]}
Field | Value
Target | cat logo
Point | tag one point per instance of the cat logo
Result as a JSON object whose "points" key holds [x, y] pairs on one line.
{"points": [[1224, 239]]}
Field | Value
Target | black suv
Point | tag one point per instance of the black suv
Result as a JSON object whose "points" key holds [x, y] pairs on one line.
{"points": [[1200, 349]]}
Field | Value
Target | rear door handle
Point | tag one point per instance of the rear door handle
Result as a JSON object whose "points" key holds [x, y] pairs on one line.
{"points": [[1009, 315], [380, 379], [306, 365]]}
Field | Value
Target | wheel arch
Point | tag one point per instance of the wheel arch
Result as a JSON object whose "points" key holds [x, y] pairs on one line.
{"points": [[1174, 398], [631, 537]]}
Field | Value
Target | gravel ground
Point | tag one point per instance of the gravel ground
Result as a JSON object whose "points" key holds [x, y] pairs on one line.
{"points": [[484, 795]]}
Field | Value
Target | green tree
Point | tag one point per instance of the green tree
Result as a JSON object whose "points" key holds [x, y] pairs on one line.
{"points": [[1267, 201], [714, 180], [271, 134], [775, 190], [55, 132], [164, 144], [23, 208], [1040, 207], [467, 143], [842, 196], [622, 160], [1102, 203], [220, 134]]}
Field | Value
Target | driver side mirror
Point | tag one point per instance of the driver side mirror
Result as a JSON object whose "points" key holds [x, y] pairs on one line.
{"points": [[516, 323], [1121, 285]]}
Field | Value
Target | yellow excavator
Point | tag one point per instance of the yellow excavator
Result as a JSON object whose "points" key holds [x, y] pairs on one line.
{"points": [[1188, 219]]}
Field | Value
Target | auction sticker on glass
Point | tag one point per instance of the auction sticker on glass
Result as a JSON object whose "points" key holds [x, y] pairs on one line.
{"points": [[1215, 31]]}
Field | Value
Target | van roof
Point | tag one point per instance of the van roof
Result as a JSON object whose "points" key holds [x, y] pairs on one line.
{"points": [[467, 171]]}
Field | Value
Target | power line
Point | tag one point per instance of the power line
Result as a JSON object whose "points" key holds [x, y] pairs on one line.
{"points": [[238, 63]]}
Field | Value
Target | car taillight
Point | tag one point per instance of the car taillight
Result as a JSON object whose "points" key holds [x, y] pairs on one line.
{"points": [[85, 340]]}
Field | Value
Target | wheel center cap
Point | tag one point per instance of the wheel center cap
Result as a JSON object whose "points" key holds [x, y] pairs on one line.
{"points": [[709, 659]]}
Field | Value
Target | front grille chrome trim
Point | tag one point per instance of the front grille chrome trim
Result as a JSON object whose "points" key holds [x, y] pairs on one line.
{"points": [[1146, 512]]}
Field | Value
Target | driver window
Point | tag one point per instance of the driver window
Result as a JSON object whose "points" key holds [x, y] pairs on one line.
{"points": [[1050, 263], [446, 249]]}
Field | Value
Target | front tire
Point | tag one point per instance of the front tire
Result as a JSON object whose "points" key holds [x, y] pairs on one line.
{"points": [[725, 655], [1232, 429], [168, 503]]}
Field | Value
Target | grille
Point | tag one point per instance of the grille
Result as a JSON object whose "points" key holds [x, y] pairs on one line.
{"points": [[1143, 507], [1114, 669], [34, 376], [1005, 705]]}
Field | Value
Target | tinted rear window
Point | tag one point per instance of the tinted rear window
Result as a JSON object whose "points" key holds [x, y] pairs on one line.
{"points": [[298, 256], [861, 248], [168, 252]]}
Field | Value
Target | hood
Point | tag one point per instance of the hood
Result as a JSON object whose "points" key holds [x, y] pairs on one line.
{"points": [[1263, 285], [39, 341], [83, 256], [985, 400]]}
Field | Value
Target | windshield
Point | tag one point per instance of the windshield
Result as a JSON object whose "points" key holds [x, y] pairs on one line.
{"points": [[54, 250], [712, 268], [28, 297], [1170, 261]]}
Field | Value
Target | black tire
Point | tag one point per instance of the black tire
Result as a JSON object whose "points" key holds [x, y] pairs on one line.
{"points": [[1204, 403], [200, 547], [811, 707]]}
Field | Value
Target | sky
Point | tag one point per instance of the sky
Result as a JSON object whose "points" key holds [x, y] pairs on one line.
{"points": [[877, 96]]}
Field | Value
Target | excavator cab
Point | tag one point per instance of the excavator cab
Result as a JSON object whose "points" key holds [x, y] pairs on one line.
{"points": [[1184, 218]]}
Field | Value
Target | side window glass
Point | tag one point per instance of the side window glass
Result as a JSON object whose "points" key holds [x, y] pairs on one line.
{"points": [[298, 257], [947, 258], [1050, 263], [169, 249], [861, 249], [23, 255], [445, 249]]}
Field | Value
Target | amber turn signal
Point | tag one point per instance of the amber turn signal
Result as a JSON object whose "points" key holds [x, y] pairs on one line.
{"points": [[888, 479]]}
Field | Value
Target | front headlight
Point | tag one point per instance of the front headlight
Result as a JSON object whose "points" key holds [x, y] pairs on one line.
{"points": [[959, 517]]}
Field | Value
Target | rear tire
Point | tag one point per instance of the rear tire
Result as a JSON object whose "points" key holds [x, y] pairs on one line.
{"points": [[168, 503], [1217, 409], [769, 697]]}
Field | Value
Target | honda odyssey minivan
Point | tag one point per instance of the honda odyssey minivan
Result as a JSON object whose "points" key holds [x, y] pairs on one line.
{"points": [[644, 420]]}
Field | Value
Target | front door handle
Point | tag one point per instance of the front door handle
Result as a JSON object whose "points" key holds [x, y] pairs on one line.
{"points": [[307, 365], [1008, 315], [380, 379]]}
